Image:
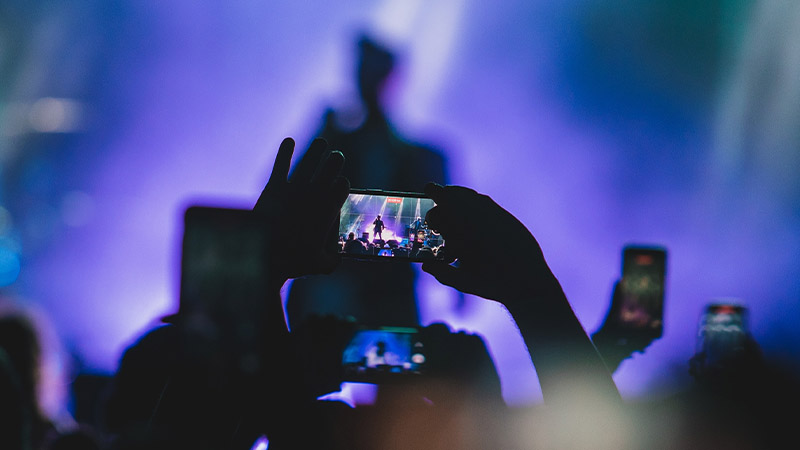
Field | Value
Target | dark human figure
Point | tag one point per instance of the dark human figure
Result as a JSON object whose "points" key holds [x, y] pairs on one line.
{"points": [[583, 408], [353, 245], [577, 387], [416, 226], [165, 397], [15, 417], [377, 228], [378, 157], [19, 339], [740, 399]]}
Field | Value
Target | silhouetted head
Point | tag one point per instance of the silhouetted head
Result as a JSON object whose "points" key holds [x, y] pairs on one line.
{"points": [[351, 236], [20, 340], [375, 64], [82, 438]]}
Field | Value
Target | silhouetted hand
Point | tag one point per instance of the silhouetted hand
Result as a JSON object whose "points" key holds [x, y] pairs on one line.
{"points": [[498, 272], [303, 210], [459, 365], [517, 275], [615, 341]]}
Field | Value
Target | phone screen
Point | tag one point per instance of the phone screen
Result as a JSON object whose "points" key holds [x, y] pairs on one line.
{"points": [[223, 287], [722, 333], [388, 225], [642, 289], [380, 354]]}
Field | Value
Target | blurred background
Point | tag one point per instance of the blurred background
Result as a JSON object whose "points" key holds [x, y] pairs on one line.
{"points": [[598, 124]]}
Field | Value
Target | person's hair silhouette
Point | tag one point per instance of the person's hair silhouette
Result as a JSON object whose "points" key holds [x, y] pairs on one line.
{"points": [[375, 64]]}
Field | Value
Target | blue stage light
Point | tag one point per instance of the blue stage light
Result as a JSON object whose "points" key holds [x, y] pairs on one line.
{"points": [[9, 266]]}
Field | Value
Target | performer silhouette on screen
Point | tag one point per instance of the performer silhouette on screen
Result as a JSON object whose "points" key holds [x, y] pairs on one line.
{"points": [[378, 228], [417, 225]]}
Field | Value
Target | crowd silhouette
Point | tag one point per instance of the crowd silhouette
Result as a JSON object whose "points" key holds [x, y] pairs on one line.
{"points": [[183, 386]]}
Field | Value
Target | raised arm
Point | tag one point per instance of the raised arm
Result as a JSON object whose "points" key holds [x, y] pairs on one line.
{"points": [[569, 368], [306, 204]]}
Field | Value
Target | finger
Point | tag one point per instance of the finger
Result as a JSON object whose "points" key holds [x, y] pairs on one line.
{"points": [[329, 203], [280, 170], [451, 194], [279, 175], [445, 274], [434, 218], [441, 220], [334, 200], [435, 191], [340, 189], [445, 254], [308, 164], [326, 263], [330, 169]]}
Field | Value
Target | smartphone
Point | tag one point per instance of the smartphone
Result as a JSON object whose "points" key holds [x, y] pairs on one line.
{"points": [[722, 333], [388, 225], [641, 307], [223, 286], [384, 354]]}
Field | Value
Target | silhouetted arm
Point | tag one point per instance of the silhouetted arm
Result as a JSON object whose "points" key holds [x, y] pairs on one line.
{"points": [[569, 368], [305, 204]]}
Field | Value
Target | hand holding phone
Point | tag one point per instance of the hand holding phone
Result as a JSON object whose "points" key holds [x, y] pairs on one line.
{"points": [[302, 209], [468, 221], [635, 316], [428, 358]]}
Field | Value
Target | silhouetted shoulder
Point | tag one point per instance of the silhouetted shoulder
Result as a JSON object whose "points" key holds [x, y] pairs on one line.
{"points": [[143, 371]]}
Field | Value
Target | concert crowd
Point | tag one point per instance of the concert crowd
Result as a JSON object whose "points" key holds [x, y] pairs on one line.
{"points": [[245, 362]]}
